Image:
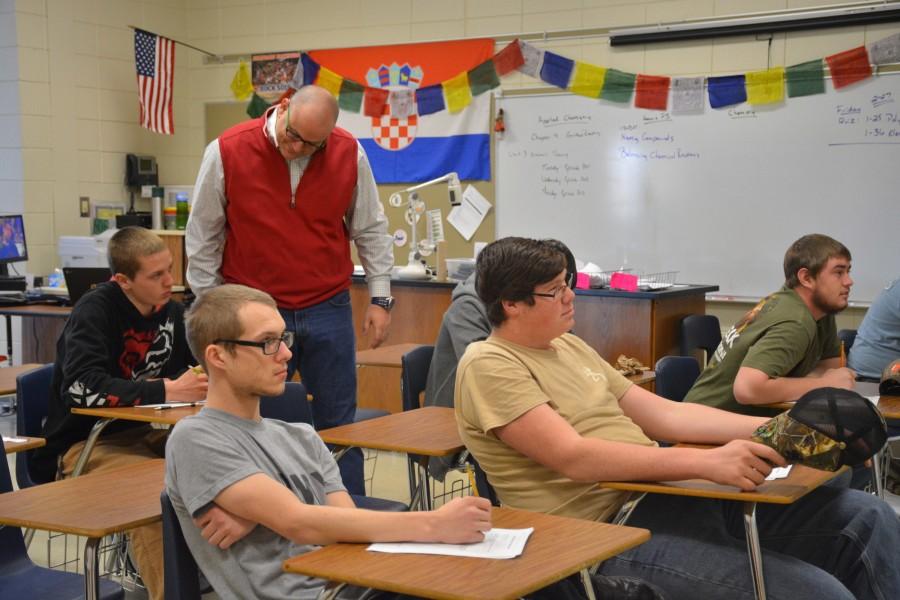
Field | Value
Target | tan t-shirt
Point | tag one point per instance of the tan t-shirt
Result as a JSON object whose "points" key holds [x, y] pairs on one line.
{"points": [[499, 381]]}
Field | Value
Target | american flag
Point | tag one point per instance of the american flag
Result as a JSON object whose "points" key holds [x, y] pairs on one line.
{"points": [[154, 58]]}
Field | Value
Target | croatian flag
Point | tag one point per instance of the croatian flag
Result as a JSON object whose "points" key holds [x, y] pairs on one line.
{"points": [[154, 59], [413, 148]]}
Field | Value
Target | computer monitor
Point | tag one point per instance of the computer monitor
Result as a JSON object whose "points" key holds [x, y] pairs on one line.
{"points": [[12, 242]]}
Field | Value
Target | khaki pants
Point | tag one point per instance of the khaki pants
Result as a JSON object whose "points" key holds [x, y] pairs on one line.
{"points": [[119, 450]]}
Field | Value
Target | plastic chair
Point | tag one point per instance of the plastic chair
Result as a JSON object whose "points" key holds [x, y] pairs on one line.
{"points": [[22, 579], [293, 407], [414, 367], [675, 375], [181, 574], [700, 331], [33, 399], [847, 337]]}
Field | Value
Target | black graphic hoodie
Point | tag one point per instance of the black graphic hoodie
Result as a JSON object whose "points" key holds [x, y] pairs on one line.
{"points": [[106, 356]]}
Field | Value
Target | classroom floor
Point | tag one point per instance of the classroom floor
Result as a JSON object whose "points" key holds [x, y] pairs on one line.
{"points": [[389, 481]]}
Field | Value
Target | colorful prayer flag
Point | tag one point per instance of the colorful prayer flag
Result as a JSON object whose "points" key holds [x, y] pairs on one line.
{"points": [[885, 51], [509, 59], [765, 87], [330, 81], [557, 70], [351, 96], [687, 94], [297, 80], [310, 70], [483, 78], [533, 59], [154, 59], [257, 107], [587, 80], [652, 92], [618, 86], [430, 99], [849, 67], [727, 90], [402, 103], [374, 102], [457, 91], [241, 86], [805, 79]]}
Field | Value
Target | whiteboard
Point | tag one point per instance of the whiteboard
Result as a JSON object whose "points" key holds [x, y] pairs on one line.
{"points": [[717, 196]]}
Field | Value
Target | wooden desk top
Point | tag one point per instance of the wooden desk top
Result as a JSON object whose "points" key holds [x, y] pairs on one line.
{"points": [[642, 378], [559, 547], [30, 443], [800, 482], [384, 356], [430, 431], [82, 505], [8, 377], [889, 407], [37, 310], [170, 416]]}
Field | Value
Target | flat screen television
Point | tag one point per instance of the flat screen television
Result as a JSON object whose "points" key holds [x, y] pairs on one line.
{"points": [[12, 242]]}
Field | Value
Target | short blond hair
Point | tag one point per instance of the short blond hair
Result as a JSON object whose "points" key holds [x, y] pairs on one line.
{"points": [[128, 246], [214, 316]]}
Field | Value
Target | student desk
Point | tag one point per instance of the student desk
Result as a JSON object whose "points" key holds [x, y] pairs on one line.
{"points": [[81, 506], [642, 325], [800, 482], [42, 325], [8, 377], [558, 547], [169, 416], [428, 431], [29, 443]]}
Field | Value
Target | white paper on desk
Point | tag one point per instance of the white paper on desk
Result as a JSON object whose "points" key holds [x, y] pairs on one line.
{"points": [[874, 399], [498, 543], [170, 404], [470, 213], [14, 440], [779, 473]]}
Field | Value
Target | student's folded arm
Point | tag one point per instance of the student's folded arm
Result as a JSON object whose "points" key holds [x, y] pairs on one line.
{"points": [[261, 499], [752, 386]]}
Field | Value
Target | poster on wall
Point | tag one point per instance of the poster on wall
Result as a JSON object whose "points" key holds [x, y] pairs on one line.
{"points": [[272, 74]]}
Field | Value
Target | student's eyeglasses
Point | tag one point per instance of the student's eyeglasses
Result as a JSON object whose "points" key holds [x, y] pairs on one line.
{"points": [[556, 293], [293, 136], [268, 346]]}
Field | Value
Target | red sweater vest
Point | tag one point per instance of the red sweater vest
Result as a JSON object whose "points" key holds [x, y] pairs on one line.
{"points": [[300, 255]]}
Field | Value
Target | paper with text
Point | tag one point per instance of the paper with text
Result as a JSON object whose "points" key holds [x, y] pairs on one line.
{"points": [[468, 216], [498, 543]]}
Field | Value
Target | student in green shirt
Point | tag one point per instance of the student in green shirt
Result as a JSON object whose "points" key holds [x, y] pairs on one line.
{"points": [[787, 344]]}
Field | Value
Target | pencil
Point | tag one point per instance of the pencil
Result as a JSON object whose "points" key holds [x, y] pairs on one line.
{"points": [[843, 356]]}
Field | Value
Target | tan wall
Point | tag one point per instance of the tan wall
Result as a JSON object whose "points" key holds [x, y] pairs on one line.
{"points": [[77, 83]]}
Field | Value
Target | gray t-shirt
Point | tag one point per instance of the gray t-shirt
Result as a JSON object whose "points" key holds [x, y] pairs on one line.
{"points": [[207, 453]]}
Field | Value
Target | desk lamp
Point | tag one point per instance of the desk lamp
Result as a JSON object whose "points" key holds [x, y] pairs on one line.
{"points": [[415, 208]]}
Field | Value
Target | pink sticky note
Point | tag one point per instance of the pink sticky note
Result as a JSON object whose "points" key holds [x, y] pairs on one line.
{"points": [[582, 281], [623, 281]]}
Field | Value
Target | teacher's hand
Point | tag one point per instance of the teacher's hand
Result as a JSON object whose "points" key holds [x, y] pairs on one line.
{"points": [[376, 321]]}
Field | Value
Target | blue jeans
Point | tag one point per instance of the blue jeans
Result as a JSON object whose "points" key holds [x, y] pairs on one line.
{"points": [[325, 352], [833, 543]]}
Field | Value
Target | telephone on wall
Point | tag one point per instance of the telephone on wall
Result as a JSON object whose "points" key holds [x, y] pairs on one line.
{"points": [[140, 170]]}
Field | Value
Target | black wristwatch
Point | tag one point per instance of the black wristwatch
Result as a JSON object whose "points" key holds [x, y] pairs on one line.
{"points": [[385, 302]]}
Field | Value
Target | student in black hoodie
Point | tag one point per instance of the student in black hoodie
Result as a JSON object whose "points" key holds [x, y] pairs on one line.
{"points": [[123, 345]]}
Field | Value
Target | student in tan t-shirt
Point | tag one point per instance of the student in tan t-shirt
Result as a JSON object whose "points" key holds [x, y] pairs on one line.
{"points": [[547, 418]]}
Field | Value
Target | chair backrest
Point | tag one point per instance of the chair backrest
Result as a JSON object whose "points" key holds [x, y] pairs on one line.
{"points": [[414, 374], [12, 545], [847, 336], [675, 375], [291, 406], [33, 401], [181, 574], [700, 331]]}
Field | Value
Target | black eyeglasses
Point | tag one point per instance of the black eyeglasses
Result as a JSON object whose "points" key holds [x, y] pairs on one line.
{"points": [[293, 136], [268, 346], [555, 293]]}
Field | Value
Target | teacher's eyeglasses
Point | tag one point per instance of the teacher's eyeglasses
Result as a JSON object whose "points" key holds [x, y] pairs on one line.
{"points": [[294, 136]]}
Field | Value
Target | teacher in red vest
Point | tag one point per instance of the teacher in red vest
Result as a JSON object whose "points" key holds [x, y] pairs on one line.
{"points": [[276, 203]]}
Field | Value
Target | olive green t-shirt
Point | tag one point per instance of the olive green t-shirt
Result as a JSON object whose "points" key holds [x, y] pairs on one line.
{"points": [[498, 381], [779, 337]]}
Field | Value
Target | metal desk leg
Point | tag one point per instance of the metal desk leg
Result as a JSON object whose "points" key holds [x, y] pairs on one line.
{"points": [[91, 569], [9, 340], [96, 430], [756, 566], [877, 464], [588, 584]]}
